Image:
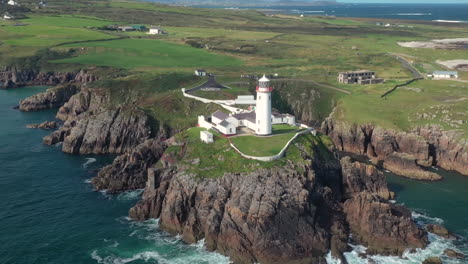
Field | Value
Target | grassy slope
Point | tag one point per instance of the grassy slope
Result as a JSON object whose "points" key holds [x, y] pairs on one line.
{"points": [[213, 160], [311, 48]]}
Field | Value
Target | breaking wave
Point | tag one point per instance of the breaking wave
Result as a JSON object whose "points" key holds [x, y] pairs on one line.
{"points": [[155, 246], [436, 247], [130, 195], [88, 162]]}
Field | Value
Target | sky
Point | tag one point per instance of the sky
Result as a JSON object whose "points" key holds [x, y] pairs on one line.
{"points": [[407, 1]]}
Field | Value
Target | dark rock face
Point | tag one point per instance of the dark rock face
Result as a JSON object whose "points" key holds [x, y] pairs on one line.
{"points": [[52, 98], [44, 125], [12, 77], [129, 171], [386, 228], [440, 231], [428, 146], [454, 254], [280, 215], [432, 260], [91, 127], [405, 164]]}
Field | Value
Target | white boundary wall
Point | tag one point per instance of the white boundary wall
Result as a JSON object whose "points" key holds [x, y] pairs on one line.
{"points": [[280, 154], [203, 123], [207, 101]]}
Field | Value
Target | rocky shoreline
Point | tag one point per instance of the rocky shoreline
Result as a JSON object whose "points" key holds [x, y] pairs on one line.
{"points": [[295, 214], [405, 153]]}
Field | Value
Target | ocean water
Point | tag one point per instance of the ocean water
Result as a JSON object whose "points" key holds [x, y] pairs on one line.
{"points": [[50, 214], [450, 12]]}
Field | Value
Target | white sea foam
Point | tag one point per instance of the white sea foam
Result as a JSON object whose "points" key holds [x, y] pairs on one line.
{"points": [[58, 144], [88, 162], [425, 219], [413, 14], [450, 21], [87, 181], [130, 195]]}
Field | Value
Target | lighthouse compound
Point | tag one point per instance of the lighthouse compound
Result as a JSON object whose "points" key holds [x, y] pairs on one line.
{"points": [[259, 121]]}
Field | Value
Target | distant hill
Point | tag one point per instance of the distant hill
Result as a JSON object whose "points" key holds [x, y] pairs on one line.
{"points": [[247, 2]]}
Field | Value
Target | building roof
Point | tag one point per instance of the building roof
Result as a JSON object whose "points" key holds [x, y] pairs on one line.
{"points": [[206, 133], [220, 115], [138, 26], [360, 71], [200, 70], [250, 116], [445, 73], [225, 123], [264, 79], [154, 27]]}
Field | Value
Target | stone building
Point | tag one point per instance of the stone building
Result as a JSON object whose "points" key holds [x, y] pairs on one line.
{"points": [[359, 77]]}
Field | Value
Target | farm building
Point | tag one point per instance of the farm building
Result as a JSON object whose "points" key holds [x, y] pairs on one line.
{"points": [[139, 27], [444, 75], [125, 28], [156, 30], [359, 77], [206, 137], [200, 72], [12, 3]]}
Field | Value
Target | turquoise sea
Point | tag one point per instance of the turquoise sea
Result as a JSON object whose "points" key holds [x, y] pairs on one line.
{"points": [[50, 214]]}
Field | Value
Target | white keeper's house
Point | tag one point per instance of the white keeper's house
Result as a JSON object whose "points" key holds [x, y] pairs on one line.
{"points": [[260, 120]]}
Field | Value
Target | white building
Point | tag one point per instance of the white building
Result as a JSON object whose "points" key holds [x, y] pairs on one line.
{"points": [[7, 16], [259, 120], [263, 109], [206, 137], [156, 30], [444, 75], [12, 2], [200, 72]]}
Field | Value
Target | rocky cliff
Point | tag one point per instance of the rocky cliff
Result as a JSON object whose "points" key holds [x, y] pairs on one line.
{"points": [[422, 147], [92, 126], [11, 77], [129, 171], [52, 98], [291, 214]]}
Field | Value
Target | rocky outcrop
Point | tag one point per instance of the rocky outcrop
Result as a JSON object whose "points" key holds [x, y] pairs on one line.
{"points": [[405, 164], [385, 228], [93, 127], [44, 125], [52, 98], [454, 254], [432, 260], [440, 231], [11, 77], [359, 177], [291, 214], [129, 171], [429, 145]]}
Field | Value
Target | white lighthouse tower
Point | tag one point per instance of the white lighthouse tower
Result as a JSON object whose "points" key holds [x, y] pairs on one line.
{"points": [[263, 109]]}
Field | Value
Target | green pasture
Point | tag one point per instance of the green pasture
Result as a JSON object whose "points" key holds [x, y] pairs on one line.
{"points": [[139, 53], [46, 36], [69, 21], [261, 146]]}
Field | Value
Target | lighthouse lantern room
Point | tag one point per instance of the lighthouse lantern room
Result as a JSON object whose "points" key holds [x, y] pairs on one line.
{"points": [[263, 109]]}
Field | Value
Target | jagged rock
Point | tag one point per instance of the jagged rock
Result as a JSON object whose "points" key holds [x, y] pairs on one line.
{"points": [[12, 77], [293, 214], [269, 216], [406, 165], [359, 177], [440, 231], [129, 171], [429, 145], [384, 227], [52, 98], [44, 125], [454, 254], [432, 260]]}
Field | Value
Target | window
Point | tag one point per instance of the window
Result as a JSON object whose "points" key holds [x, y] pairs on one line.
{"points": [[259, 121], [259, 97]]}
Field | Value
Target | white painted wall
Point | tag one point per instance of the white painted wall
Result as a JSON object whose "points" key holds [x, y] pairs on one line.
{"points": [[263, 112]]}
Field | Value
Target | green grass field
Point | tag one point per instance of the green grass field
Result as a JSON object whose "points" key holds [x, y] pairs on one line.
{"points": [[213, 160], [140, 53], [261, 146]]}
